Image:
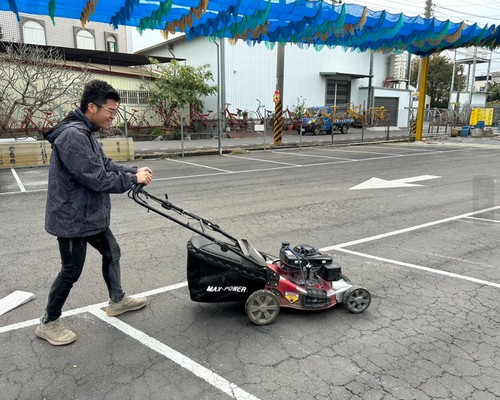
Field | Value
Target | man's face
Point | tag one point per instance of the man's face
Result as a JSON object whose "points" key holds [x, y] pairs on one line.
{"points": [[102, 115]]}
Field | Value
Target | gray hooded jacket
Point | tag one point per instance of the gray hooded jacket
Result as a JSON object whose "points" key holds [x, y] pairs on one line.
{"points": [[81, 177]]}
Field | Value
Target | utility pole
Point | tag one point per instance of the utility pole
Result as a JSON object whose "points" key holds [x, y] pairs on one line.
{"points": [[428, 8], [427, 14], [422, 82], [278, 96]]}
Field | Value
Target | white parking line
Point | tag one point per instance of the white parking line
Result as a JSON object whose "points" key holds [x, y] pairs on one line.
{"points": [[341, 248], [362, 152], [183, 361], [484, 219], [18, 180], [422, 268], [89, 308], [172, 178], [265, 161], [200, 165], [425, 148], [409, 229], [336, 160], [404, 146], [315, 156], [199, 370]]}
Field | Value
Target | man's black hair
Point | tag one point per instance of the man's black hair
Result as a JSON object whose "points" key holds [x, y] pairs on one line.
{"points": [[97, 92]]}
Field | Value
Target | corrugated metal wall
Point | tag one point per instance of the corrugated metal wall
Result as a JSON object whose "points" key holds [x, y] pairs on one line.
{"points": [[250, 71]]}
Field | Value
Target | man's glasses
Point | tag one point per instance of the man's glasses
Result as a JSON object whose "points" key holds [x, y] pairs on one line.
{"points": [[112, 111]]}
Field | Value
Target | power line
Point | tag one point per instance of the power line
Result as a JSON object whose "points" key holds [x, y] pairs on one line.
{"points": [[395, 7], [462, 11], [458, 12], [489, 17], [417, 7]]}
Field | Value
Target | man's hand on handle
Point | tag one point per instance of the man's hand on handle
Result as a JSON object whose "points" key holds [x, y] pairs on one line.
{"points": [[144, 175]]}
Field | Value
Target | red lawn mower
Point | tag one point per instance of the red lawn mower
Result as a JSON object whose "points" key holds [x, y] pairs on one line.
{"points": [[231, 269]]}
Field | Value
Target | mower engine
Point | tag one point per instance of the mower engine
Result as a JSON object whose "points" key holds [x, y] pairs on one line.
{"points": [[306, 264]]}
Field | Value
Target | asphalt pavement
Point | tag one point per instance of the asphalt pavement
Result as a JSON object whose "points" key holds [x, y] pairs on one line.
{"points": [[417, 224]]}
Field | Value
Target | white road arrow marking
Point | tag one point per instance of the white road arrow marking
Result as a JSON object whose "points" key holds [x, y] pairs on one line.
{"points": [[377, 183]]}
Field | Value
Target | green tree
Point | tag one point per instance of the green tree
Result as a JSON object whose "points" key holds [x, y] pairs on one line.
{"points": [[438, 79], [493, 93], [177, 86]]}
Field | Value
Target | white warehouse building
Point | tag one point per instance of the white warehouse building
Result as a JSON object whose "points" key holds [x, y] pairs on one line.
{"points": [[330, 76]]}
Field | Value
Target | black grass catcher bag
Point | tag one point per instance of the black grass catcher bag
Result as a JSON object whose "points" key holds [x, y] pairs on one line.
{"points": [[215, 275]]}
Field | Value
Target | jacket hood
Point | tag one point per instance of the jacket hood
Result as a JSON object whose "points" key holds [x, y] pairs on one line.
{"points": [[73, 117]]}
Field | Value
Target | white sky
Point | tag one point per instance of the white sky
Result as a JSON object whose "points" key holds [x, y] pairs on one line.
{"points": [[482, 12]]}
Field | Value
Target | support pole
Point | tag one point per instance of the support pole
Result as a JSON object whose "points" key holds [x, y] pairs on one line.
{"points": [[421, 98], [370, 83], [422, 82], [454, 72]]}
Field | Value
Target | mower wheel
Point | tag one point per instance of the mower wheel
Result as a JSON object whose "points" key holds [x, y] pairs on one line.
{"points": [[262, 307], [357, 299]]}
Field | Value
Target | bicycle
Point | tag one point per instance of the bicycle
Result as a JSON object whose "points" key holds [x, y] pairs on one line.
{"points": [[40, 126], [202, 121], [173, 123], [233, 120], [289, 118], [136, 120], [381, 114], [353, 112], [288, 115], [259, 114], [170, 118], [375, 115], [269, 115]]}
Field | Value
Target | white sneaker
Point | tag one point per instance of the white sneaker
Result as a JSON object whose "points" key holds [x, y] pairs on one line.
{"points": [[125, 305], [55, 333]]}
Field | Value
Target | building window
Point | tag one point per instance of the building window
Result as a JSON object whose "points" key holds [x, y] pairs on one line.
{"points": [[337, 92], [85, 40], [133, 96], [33, 33], [111, 44]]}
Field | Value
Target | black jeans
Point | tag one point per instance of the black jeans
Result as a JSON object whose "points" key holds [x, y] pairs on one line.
{"points": [[73, 252]]}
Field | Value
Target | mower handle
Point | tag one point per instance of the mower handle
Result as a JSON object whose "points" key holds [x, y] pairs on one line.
{"points": [[137, 189]]}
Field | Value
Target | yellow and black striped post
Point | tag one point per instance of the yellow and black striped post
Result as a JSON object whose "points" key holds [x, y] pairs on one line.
{"points": [[413, 129], [278, 123]]}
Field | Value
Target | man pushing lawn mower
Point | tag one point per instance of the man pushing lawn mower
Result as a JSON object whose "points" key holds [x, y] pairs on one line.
{"points": [[81, 177]]}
